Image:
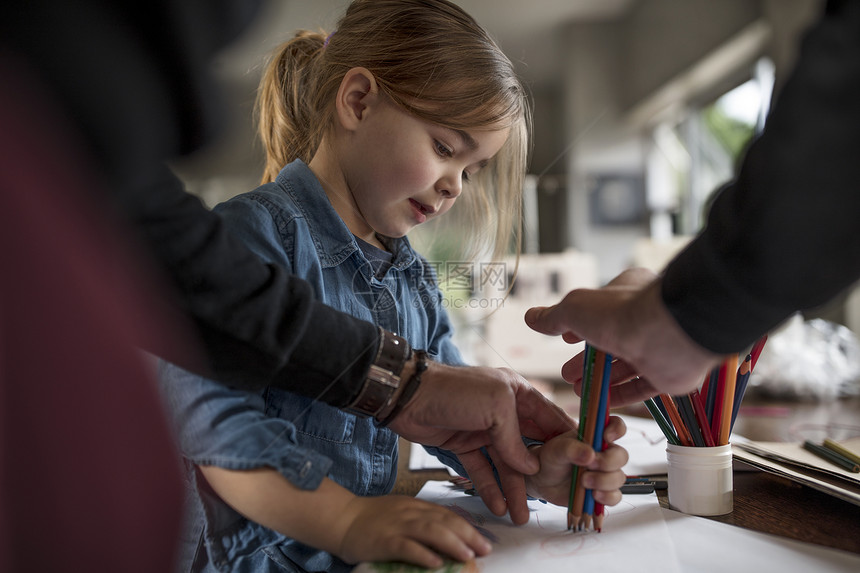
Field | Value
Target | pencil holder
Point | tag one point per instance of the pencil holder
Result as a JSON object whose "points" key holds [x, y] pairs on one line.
{"points": [[700, 479]]}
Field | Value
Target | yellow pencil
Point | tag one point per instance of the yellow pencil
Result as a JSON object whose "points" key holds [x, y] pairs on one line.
{"points": [[840, 449]]}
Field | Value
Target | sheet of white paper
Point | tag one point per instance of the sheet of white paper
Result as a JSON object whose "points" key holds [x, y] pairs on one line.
{"points": [[646, 445], [702, 546], [634, 534]]}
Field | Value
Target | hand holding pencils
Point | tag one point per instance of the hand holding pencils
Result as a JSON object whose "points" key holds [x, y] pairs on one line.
{"points": [[593, 417]]}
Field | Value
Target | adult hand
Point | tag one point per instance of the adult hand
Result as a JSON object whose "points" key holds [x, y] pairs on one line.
{"points": [[463, 409], [627, 319]]}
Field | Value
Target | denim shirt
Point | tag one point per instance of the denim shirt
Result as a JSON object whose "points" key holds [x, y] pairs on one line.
{"points": [[290, 222]]}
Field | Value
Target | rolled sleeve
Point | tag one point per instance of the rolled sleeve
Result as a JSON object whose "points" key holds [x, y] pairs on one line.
{"points": [[225, 427]]}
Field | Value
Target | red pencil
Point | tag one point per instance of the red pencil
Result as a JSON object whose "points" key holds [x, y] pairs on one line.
{"points": [[705, 384], [702, 418], [756, 350], [598, 516]]}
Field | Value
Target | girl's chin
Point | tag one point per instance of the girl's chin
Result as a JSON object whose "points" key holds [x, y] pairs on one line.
{"points": [[395, 232]]}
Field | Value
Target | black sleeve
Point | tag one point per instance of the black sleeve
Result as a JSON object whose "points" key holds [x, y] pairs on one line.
{"points": [[259, 324], [785, 235], [135, 80]]}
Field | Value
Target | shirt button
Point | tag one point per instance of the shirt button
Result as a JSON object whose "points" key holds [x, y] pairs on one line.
{"points": [[306, 468]]}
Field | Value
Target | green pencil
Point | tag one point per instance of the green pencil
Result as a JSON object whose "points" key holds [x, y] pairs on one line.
{"points": [[832, 457], [661, 420], [587, 370]]}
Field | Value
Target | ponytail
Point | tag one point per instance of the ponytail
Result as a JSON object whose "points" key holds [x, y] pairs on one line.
{"points": [[286, 122]]}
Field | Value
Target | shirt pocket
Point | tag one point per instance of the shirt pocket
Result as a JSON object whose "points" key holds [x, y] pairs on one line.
{"points": [[311, 418]]}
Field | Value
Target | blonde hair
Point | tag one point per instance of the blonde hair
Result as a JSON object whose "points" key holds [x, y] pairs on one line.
{"points": [[435, 62]]}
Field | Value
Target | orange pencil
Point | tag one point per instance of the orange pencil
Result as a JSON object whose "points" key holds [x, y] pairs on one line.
{"points": [[574, 514], [590, 421], [728, 399], [683, 433]]}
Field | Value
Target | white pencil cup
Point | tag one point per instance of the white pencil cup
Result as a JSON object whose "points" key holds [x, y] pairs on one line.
{"points": [[700, 479]]}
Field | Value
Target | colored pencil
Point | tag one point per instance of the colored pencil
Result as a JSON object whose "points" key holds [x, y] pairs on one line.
{"points": [[756, 350], [728, 399], [574, 505], [598, 517], [717, 412], [662, 422], [833, 457], [586, 507], [710, 392], [685, 409], [662, 409], [683, 433], [741, 386], [600, 421], [842, 450], [702, 418]]}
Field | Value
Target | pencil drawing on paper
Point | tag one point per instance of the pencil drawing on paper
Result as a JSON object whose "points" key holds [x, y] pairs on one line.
{"points": [[569, 543], [476, 520]]}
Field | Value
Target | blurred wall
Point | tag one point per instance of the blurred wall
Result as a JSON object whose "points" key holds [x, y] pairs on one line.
{"points": [[623, 76]]}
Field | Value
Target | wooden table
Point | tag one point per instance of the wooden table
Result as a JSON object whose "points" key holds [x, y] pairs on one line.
{"points": [[762, 501]]}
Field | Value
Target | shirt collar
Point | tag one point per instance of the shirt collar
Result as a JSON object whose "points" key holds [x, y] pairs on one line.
{"points": [[333, 240]]}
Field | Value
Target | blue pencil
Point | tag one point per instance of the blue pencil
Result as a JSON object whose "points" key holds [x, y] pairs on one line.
{"points": [[685, 408], [599, 425], [741, 385], [711, 395]]}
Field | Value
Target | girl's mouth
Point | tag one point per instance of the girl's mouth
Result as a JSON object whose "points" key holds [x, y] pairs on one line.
{"points": [[421, 210]]}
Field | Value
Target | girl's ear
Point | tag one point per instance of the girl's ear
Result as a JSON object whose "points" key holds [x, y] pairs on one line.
{"points": [[357, 93]]}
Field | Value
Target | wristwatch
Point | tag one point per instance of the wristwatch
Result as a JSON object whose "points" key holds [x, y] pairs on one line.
{"points": [[383, 378]]}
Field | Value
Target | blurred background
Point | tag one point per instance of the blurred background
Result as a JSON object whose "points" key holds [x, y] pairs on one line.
{"points": [[642, 109]]}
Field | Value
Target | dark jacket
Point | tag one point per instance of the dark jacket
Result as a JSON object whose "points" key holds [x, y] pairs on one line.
{"points": [[784, 236], [134, 80]]}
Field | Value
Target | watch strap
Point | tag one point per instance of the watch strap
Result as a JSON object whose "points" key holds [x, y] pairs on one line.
{"points": [[383, 377]]}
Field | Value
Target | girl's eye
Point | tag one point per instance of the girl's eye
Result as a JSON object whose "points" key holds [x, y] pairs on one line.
{"points": [[442, 149], [466, 177]]}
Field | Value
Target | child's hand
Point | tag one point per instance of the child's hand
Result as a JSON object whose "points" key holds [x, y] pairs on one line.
{"points": [[400, 528], [603, 472]]}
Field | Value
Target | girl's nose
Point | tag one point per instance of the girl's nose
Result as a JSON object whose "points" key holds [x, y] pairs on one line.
{"points": [[451, 186]]}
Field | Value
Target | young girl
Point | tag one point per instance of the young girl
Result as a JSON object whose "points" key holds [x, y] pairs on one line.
{"points": [[369, 132]]}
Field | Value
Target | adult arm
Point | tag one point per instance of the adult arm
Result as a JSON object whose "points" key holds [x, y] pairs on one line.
{"points": [[784, 235], [259, 324], [781, 238]]}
